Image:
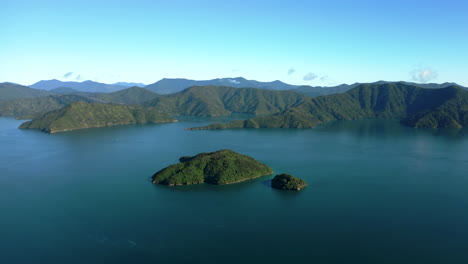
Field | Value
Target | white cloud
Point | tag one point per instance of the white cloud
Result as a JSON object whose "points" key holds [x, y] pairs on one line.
{"points": [[234, 81], [310, 76], [291, 71], [423, 74]]}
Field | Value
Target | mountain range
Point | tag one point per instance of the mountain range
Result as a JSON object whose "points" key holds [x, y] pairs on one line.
{"points": [[86, 86], [168, 86], [414, 106], [320, 90]]}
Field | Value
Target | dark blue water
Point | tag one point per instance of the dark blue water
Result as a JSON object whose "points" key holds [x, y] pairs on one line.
{"points": [[378, 193]]}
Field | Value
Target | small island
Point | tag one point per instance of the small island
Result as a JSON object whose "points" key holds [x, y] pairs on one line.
{"points": [[220, 167], [287, 182]]}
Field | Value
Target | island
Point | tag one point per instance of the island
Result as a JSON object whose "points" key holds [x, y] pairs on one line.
{"points": [[287, 182], [219, 167]]}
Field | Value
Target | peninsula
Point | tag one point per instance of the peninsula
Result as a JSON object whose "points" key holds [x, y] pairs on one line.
{"points": [[80, 115]]}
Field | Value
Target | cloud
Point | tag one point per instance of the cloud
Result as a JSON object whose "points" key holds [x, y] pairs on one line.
{"points": [[78, 78], [291, 71], [423, 74], [324, 78], [234, 81], [310, 76], [67, 75]]}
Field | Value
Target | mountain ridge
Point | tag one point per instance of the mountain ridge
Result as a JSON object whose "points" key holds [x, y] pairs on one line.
{"points": [[414, 106]]}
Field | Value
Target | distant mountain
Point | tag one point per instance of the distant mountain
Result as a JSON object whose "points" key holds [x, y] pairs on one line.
{"points": [[222, 100], [129, 84], [86, 86], [80, 115], [11, 91], [414, 106], [314, 91], [168, 86], [64, 90], [30, 107]]}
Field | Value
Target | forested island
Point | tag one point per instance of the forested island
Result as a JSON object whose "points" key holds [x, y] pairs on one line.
{"points": [[220, 167], [287, 182]]}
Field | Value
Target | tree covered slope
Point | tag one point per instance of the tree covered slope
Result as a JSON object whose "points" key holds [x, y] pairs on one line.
{"points": [[80, 115], [222, 100], [220, 167], [31, 107], [416, 107]]}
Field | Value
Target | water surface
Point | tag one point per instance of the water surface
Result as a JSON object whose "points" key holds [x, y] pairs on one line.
{"points": [[378, 192]]}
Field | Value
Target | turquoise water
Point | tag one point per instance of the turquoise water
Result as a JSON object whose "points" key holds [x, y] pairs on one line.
{"points": [[378, 193]]}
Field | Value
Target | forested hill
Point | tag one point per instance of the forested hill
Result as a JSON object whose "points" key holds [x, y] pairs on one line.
{"points": [[416, 107], [222, 100], [79, 115]]}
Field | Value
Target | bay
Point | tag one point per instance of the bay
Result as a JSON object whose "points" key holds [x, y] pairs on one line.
{"points": [[378, 192]]}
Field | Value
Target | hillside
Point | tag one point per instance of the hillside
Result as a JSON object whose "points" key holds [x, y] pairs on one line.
{"points": [[31, 107], [314, 91], [416, 107], [132, 95], [168, 86], [220, 167], [10, 91], [221, 100], [80, 115]]}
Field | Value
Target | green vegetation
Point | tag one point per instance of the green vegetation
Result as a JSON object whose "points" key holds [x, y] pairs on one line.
{"points": [[221, 100], [220, 167], [79, 115], [132, 95], [416, 107], [287, 182], [11, 91], [32, 107]]}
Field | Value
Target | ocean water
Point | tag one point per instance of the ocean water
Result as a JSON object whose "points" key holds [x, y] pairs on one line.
{"points": [[378, 192]]}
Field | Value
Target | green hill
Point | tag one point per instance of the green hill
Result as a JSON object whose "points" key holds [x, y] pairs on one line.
{"points": [[79, 115], [416, 107], [10, 91], [31, 107], [220, 167], [222, 100], [132, 95]]}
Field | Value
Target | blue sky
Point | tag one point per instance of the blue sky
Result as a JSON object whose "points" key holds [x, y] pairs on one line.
{"points": [[302, 42]]}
